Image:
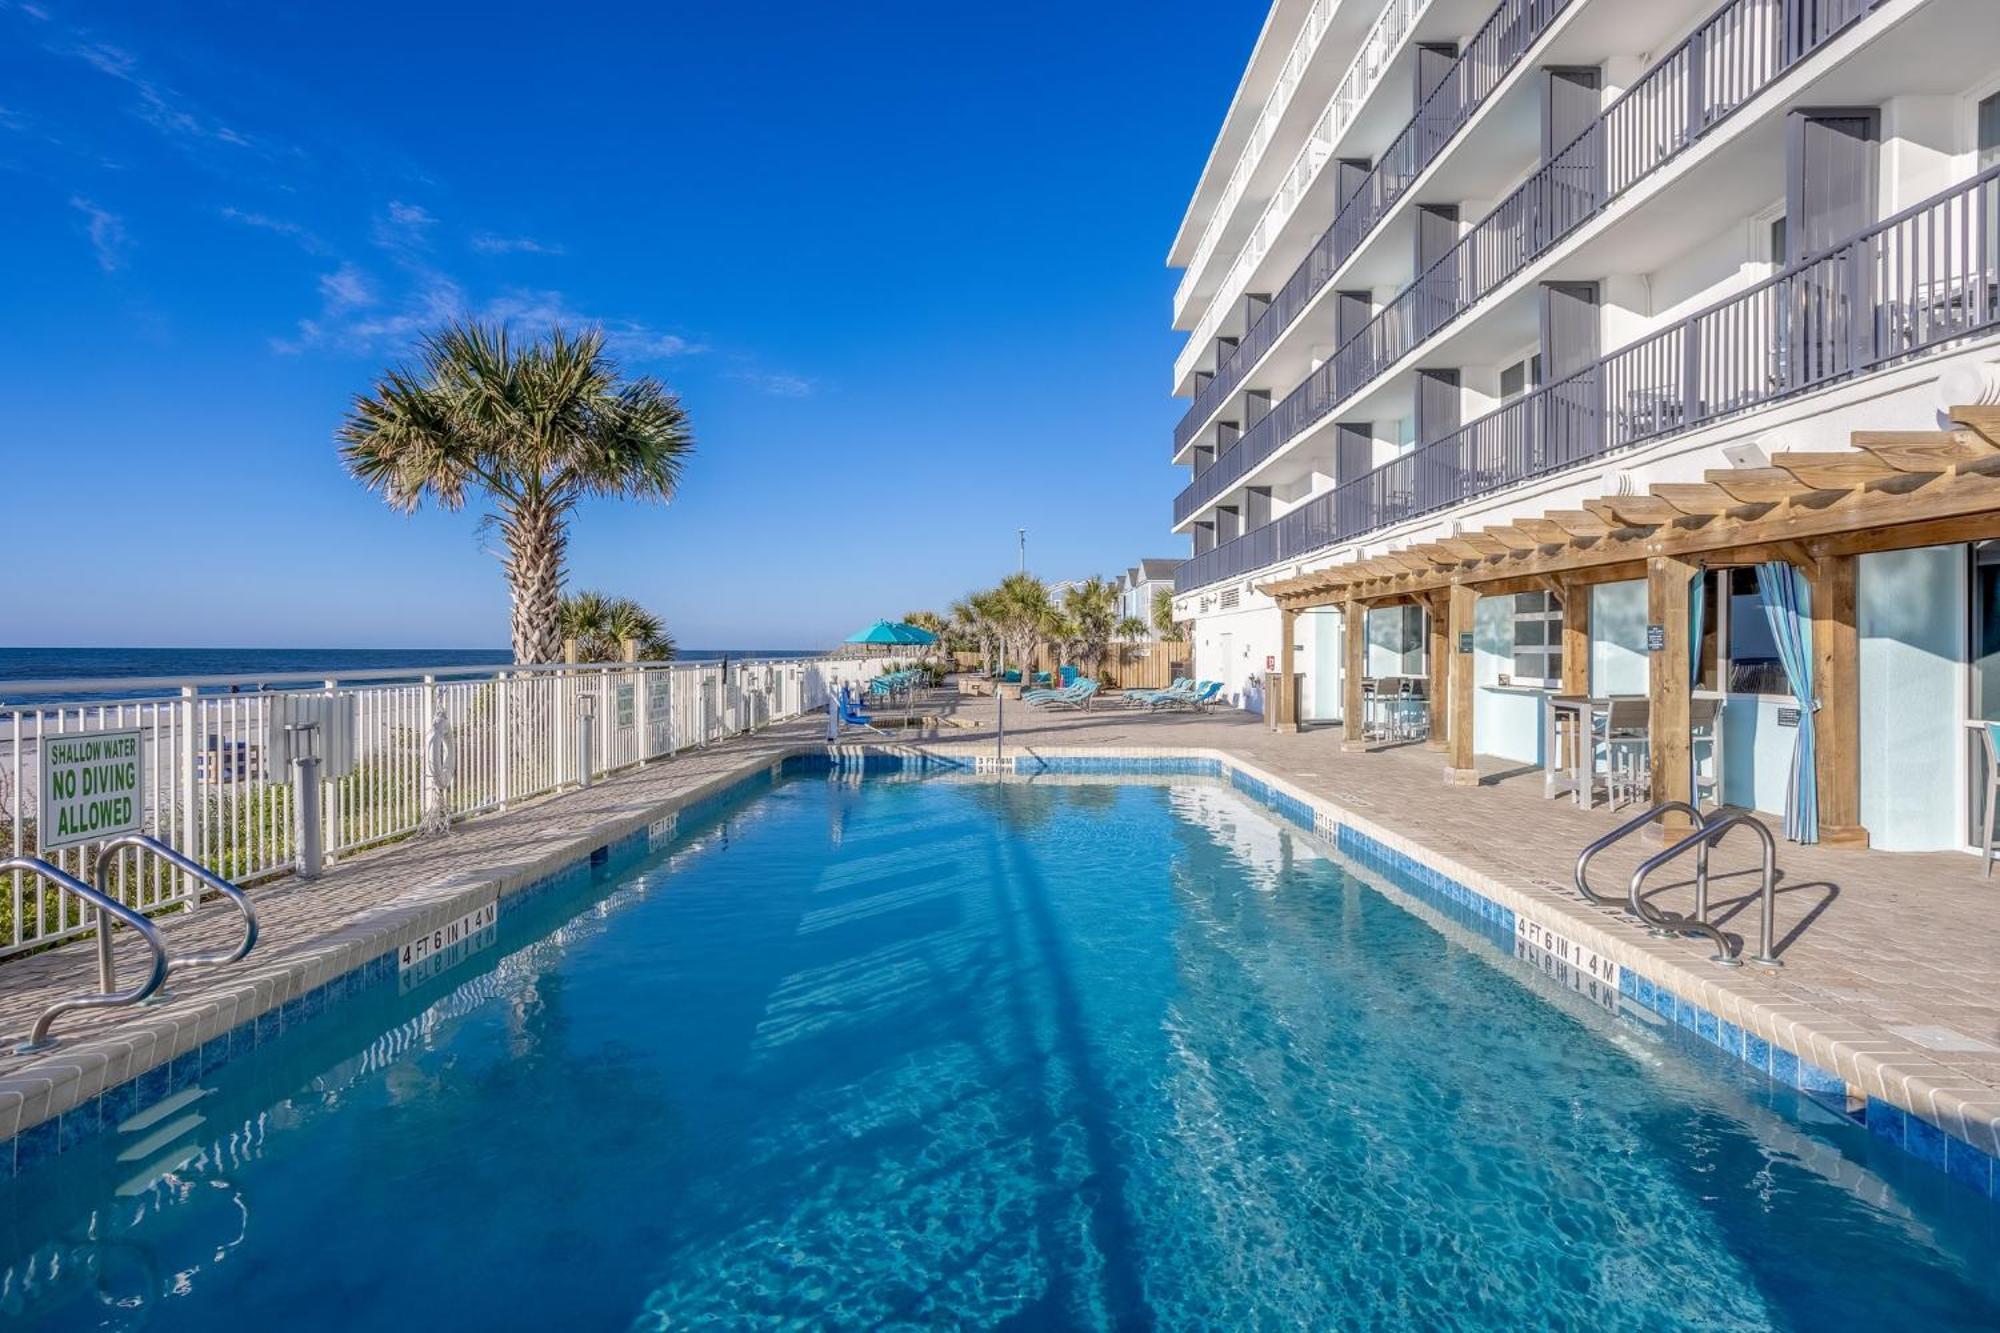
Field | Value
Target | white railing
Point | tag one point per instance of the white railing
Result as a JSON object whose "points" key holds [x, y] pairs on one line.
{"points": [[398, 749], [1378, 50], [1304, 47]]}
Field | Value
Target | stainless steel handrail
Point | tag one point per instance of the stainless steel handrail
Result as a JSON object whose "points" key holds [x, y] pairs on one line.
{"points": [[108, 851], [1727, 949], [1619, 834], [1768, 907], [107, 908]]}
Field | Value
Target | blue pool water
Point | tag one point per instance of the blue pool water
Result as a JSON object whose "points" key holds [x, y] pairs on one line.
{"points": [[948, 1054]]}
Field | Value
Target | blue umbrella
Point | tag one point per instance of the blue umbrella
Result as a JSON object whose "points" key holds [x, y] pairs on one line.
{"points": [[892, 634]]}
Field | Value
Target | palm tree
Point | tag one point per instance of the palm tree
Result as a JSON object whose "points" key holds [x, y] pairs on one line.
{"points": [[602, 625], [1132, 629], [1091, 607], [1163, 615], [535, 429], [976, 617], [1023, 612]]}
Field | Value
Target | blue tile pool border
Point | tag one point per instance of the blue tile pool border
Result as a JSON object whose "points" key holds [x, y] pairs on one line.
{"points": [[1466, 906]]}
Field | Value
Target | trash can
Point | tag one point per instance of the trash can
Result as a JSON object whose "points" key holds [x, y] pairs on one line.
{"points": [[1281, 713]]}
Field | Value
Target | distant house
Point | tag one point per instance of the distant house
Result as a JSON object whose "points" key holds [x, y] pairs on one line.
{"points": [[1137, 585]]}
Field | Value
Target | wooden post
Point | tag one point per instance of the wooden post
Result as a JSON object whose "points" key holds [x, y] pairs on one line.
{"points": [[1354, 651], [1668, 684], [1436, 608], [1576, 638], [1286, 705], [1837, 680], [1460, 770]]}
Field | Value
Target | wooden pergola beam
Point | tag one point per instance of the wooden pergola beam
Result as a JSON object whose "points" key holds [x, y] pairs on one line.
{"points": [[1699, 498], [1832, 471], [1924, 450]]}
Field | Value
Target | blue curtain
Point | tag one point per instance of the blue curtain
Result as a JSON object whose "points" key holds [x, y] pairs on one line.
{"points": [[1788, 607], [1697, 599]]}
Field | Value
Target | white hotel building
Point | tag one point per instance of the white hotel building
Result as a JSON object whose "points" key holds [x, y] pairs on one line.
{"points": [[1457, 263]]}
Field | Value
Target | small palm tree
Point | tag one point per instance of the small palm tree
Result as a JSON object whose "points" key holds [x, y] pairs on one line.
{"points": [[1091, 607], [1163, 615], [1023, 611], [976, 618], [536, 429], [1131, 629], [602, 625]]}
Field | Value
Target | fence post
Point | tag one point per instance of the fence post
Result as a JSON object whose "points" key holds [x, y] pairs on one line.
{"points": [[190, 711], [642, 714], [503, 714], [586, 732]]}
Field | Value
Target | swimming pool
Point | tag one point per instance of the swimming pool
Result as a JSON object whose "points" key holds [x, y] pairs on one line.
{"points": [[958, 1053]]}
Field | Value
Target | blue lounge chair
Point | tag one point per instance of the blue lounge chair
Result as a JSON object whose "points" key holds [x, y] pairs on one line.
{"points": [[1140, 698], [1076, 696], [1196, 700]]}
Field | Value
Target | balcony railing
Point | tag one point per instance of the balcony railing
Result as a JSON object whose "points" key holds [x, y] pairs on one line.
{"points": [[1371, 61], [1926, 278], [1739, 52], [1488, 58], [1304, 47]]}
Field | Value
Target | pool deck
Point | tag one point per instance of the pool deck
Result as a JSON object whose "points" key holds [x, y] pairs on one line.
{"points": [[1892, 961]]}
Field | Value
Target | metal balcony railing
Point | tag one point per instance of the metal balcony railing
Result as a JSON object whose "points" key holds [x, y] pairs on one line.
{"points": [[1921, 280], [1372, 59], [1739, 52], [1491, 55]]}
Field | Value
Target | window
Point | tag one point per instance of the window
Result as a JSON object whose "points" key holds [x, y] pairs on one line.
{"points": [[1537, 639], [1754, 665], [1779, 256], [1523, 377], [1989, 132]]}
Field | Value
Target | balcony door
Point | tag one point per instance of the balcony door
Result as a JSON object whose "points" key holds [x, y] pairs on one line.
{"points": [[1830, 199]]}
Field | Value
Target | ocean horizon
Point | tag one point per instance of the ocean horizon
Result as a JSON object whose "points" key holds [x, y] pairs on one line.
{"points": [[81, 664]]}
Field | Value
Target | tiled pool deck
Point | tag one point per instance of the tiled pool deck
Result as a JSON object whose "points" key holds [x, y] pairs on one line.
{"points": [[1889, 1003]]}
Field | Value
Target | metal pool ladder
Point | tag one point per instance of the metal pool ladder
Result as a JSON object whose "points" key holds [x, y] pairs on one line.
{"points": [[109, 907], [1707, 833]]}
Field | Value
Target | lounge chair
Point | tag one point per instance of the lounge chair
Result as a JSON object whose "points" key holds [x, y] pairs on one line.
{"points": [[850, 714], [1196, 699], [1139, 698], [1076, 696]]}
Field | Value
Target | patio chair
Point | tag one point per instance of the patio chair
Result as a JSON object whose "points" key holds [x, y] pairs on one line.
{"points": [[1627, 742], [1076, 696], [1141, 698], [1195, 700]]}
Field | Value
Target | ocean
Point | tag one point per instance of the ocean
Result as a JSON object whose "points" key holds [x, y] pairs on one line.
{"points": [[18, 664]]}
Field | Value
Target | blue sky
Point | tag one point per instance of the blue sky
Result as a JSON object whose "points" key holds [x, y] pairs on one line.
{"points": [[903, 261]]}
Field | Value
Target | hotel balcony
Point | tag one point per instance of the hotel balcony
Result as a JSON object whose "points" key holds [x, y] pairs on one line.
{"points": [[1925, 280]]}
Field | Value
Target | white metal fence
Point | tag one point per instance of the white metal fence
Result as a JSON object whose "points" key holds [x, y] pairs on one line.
{"points": [[398, 750]]}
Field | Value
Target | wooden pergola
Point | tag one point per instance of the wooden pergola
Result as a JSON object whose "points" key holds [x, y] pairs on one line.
{"points": [[1815, 510]]}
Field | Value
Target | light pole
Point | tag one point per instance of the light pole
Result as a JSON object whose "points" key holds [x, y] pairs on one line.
{"points": [[1024, 549]]}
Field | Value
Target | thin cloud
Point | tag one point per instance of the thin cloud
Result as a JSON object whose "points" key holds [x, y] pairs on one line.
{"points": [[106, 231], [159, 106], [487, 243], [346, 288], [293, 231], [776, 384], [627, 339]]}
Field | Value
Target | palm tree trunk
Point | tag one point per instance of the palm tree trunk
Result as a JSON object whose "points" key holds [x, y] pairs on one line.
{"points": [[536, 542]]}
